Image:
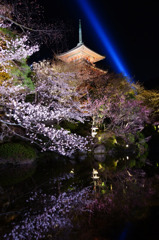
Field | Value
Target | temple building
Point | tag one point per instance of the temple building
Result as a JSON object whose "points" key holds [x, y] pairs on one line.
{"points": [[84, 60], [80, 52]]}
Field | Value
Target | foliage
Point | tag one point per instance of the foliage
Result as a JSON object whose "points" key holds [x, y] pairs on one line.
{"points": [[119, 114], [114, 106], [21, 72], [110, 85], [150, 99], [3, 76], [7, 32], [16, 152]]}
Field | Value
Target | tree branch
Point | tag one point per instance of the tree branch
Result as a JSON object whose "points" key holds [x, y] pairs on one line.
{"points": [[24, 27]]}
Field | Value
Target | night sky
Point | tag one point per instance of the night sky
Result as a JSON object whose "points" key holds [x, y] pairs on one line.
{"points": [[131, 27]]}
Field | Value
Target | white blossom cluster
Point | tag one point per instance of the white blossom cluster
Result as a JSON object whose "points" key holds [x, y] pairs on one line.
{"points": [[34, 119], [16, 49], [11, 93], [5, 25], [12, 48]]}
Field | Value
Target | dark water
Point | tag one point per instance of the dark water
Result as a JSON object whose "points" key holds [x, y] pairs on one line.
{"points": [[59, 200]]}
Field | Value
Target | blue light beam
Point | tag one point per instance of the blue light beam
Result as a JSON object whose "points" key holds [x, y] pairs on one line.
{"points": [[103, 36]]}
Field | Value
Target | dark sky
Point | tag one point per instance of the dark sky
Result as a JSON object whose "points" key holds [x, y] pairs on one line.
{"points": [[131, 27]]}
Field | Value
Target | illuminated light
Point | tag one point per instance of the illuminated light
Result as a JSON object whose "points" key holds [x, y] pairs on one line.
{"points": [[103, 184], [115, 141], [116, 163], [100, 30], [95, 174], [127, 157], [94, 133], [99, 138], [100, 166], [127, 145], [130, 175], [72, 171]]}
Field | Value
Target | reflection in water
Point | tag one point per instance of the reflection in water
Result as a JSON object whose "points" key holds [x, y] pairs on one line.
{"points": [[95, 178], [126, 230], [56, 200]]}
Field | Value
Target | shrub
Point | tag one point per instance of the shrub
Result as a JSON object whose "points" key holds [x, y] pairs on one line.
{"points": [[17, 152]]}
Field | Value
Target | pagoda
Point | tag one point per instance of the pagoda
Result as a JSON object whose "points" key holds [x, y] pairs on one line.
{"points": [[80, 53]]}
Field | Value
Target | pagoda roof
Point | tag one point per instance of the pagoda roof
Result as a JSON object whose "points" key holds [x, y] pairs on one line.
{"points": [[80, 52]]}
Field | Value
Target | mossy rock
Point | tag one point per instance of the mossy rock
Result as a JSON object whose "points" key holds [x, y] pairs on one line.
{"points": [[17, 153]]}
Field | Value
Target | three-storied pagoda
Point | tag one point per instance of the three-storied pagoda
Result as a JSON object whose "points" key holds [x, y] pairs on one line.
{"points": [[80, 52]]}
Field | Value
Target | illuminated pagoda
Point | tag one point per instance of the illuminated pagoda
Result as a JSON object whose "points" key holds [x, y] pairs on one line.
{"points": [[80, 53]]}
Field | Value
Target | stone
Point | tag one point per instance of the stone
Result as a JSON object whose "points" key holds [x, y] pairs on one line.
{"points": [[100, 149], [99, 153]]}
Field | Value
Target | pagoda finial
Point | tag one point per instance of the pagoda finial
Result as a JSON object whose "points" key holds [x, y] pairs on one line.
{"points": [[80, 32]]}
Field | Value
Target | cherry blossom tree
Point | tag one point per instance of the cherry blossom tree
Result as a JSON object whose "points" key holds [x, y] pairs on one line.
{"points": [[120, 114], [115, 106], [55, 100], [151, 99]]}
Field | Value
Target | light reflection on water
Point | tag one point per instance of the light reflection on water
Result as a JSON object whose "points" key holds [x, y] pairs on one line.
{"points": [[56, 200]]}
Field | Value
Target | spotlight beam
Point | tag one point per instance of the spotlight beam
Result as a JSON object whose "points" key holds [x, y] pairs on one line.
{"points": [[100, 30]]}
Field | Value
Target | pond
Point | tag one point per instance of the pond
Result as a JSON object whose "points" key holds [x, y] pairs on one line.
{"points": [[86, 199]]}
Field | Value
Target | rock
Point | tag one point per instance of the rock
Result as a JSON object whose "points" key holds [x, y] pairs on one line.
{"points": [[100, 153], [100, 157], [100, 149]]}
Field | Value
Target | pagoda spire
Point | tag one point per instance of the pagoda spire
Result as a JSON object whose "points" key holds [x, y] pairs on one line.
{"points": [[80, 33], [80, 52]]}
